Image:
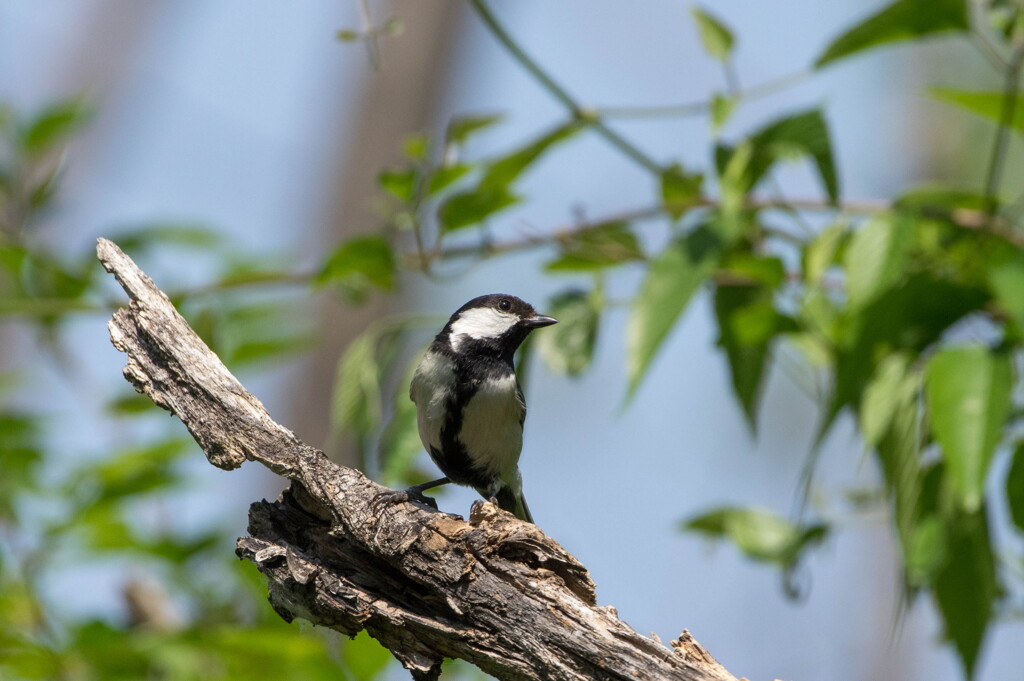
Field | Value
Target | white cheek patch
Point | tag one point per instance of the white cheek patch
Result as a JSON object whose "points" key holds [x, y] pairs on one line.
{"points": [[481, 323]]}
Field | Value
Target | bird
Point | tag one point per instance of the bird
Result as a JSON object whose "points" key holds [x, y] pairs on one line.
{"points": [[470, 409]]}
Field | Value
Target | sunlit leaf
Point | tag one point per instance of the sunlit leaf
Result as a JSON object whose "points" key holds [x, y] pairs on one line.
{"points": [[714, 35], [968, 390], [462, 128], [502, 172], [889, 390], [1007, 282], [672, 279], [823, 252], [876, 256], [985, 104], [760, 535], [679, 190], [568, 347], [359, 264], [597, 247], [901, 20]]}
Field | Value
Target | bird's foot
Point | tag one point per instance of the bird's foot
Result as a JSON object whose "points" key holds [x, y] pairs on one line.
{"points": [[396, 496]]}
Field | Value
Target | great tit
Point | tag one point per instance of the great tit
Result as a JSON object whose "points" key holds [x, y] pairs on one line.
{"points": [[469, 408]]}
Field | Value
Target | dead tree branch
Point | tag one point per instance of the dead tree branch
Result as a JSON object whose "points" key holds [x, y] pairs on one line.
{"points": [[494, 591]]}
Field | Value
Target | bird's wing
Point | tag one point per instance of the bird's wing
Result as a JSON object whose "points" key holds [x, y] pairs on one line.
{"points": [[522, 404]]}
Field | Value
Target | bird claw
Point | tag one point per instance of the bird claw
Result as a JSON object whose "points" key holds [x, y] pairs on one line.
{"points": [[394, 496]]}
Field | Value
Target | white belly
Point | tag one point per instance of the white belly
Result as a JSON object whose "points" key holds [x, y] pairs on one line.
{"points": [[491, 427]]}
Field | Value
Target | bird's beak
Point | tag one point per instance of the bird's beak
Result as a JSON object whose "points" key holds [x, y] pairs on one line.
{"points": [[539, 321]]}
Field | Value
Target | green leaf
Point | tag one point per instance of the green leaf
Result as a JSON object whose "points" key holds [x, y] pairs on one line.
{"points": [[985, 104], [721, 109], [356, 401], [445, 176], [902, 20], [876, 257], [747, 325], [823, 252], [462, 128], [597, 247], [966, 587], [714, 35], [160, 234], [968, 390], [54, 125], [672, 279], [401, 184], [931, 199], [504, 171], [400, 442], [760, 535], [680, 190], [359, 264], [473, 207], [802, 134], [1015, 487], [1007, 282], [568, 347], [889, 390]]}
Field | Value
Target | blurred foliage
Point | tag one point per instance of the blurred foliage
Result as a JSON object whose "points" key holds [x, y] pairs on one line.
{"points": [[908, 311]]}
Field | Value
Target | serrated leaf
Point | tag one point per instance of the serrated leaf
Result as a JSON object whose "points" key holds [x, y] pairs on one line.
{"points": [[902, 20], [1015, 487], [679, 190], [359, 264], [472, 207], [672, 279], [760, 535], [462, 128], [598, 247], [568, 347], [985, 104], [717, 39], [876, 257], [968, 390]]}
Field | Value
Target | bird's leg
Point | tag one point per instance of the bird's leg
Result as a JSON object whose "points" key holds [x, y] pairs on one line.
{"points": [[414, 493]]}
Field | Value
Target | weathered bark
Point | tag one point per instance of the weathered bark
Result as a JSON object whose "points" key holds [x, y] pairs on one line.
{"points": [[494, 591]]}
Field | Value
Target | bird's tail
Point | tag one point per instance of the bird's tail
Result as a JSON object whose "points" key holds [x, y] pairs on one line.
{"points": [[514, 502]]}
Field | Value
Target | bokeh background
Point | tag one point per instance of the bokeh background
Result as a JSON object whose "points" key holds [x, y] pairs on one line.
{"points": [[251, 120]]}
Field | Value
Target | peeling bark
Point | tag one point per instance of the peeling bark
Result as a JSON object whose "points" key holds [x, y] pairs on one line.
{"points": [[492, 590]]}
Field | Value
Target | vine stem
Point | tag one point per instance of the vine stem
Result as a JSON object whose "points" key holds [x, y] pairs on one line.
{"points": [[1000, 145], [589, 117]]}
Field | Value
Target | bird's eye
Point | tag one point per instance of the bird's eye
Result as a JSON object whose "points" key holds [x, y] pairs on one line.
{"points": [[505, 305]]}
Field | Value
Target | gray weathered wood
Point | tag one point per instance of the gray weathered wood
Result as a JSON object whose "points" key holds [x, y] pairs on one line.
{"points": [[492, 590]]}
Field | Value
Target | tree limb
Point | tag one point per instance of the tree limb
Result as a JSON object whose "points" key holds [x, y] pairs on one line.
{"points": [[494, 591]]}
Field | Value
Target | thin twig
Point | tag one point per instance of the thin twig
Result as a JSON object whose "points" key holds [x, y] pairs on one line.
{"points": [[1001, 143], [558, 92]]}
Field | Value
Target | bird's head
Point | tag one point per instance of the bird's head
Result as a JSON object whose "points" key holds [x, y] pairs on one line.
{"points": [[495, 322]]}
